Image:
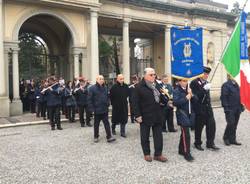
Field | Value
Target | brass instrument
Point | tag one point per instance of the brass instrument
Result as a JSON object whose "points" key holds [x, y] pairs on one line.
{"points": [[165, 94]]}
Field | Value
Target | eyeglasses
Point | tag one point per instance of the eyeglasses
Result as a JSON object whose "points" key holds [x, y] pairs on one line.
{"points": [[152, 74]]}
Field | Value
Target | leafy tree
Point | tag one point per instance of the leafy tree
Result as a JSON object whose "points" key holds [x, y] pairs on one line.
{"points": [[108, 50], [236, 8], [31, 57]]}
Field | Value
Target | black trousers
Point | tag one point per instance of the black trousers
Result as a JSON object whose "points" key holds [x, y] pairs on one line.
{"points": [[132, 114], [41, 109], [83, 109], [71, 112], [168, 118], [157, 136], [209, 122], [184, 144], [232, 119], [33, 105], [54, 116], [97, 119], [122, 127]]}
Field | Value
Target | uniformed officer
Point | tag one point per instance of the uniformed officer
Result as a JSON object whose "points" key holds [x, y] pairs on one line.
{"points": [[204, 113]]}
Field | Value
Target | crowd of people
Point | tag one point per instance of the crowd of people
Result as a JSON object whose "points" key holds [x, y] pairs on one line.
{"points": [[151, 102]]}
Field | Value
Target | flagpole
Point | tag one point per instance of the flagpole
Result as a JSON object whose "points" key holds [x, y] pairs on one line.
{"points": [[217, 65]]}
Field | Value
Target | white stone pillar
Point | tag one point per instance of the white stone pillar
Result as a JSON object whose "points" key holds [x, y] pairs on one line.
{"points": [[94, 46], [4, 97], [76, 65], [125, 52], [167, 51], [15, 69]]}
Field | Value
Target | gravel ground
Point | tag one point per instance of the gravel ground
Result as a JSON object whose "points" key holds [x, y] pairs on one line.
{"points": [[34, 154]]}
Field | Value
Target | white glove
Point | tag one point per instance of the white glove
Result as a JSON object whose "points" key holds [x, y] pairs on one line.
{"points": [[207, 86]]}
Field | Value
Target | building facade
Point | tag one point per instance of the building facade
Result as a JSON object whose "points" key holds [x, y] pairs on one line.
{"points": [[70, 29]]}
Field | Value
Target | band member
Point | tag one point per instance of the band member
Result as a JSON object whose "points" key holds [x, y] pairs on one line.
{"points": [[53, 94], [81, 93], [119, 94], [181, 97], [41, 101], [230, 100], [98, 102], [204, 112], [146, 101], [135, 81], [31, 96], [70, 101], [168, 109]]}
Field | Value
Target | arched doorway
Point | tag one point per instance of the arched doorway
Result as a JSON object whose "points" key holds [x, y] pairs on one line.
{"points": [[53, 34]]}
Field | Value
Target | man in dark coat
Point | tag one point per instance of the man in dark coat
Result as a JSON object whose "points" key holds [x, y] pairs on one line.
{"points": [[230, 100], [98, 102], [119, 94], [148, 114], [204, 112]]}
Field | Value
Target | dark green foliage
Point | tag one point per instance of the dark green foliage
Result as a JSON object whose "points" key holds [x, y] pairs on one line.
{"points": [[32, 57]]}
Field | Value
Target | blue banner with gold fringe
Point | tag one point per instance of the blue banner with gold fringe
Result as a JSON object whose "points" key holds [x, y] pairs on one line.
{"points": [[187, 52]]}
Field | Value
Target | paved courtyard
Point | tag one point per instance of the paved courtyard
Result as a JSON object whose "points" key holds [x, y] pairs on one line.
{"points": [[34, 154]]}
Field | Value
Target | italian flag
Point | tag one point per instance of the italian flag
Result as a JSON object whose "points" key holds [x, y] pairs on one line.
{"points": [[235, 59]]}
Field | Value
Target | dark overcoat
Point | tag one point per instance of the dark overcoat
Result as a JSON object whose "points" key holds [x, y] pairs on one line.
{"points": [[145, 105], [119, 94]]}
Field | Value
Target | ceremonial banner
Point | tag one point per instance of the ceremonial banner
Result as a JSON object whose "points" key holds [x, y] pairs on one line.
{"points": [[235, 59], [187, 52]]}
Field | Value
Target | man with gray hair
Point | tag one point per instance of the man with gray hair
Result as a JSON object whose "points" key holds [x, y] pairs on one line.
{"points": [[148, 113]]}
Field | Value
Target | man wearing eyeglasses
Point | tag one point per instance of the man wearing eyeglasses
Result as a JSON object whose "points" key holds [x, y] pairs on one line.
{"points": [[148, 113]]}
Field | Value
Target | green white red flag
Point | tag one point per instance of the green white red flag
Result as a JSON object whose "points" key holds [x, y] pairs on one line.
{"points": [[235, 59]]}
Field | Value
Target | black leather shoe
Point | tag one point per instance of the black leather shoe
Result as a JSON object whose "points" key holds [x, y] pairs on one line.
{"points": [[236, 143], [226, 141], [52, 128], [213, 148], [111, 139], [198, 147], [59, 128], [189, 157], [123, 135], [164, 130]]}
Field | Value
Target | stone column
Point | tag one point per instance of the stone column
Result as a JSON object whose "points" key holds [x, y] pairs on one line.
{"points": [[76, 65], [84, 64], [125, 52], [167, 52], [4, 96], [16, 107], [94, 46], [15, 69]]}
